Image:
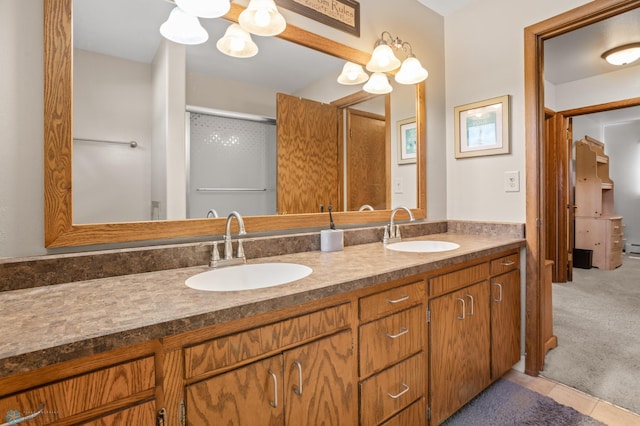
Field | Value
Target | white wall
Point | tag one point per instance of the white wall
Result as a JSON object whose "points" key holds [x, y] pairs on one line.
{"points": [[112, 101], [622, 145], [484, 44], [21, 106]]}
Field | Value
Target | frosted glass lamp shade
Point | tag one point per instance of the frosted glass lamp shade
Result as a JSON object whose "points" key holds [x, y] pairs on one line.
{"points": [[352, 74], [411, 71], [183, 28], [237, 42], [623, 55], [205, 8], [378, 84], [383, 59], [261, 17]]}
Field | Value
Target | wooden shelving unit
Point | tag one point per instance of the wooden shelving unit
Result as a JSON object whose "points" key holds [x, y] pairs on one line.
{"points": [[597, 226]]}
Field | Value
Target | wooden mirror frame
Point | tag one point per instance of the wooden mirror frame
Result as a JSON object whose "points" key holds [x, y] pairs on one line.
{"points": [[58, 146]]}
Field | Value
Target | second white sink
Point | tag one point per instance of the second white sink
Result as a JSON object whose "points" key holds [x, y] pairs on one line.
{"points": [[248, 277], [427, 246]]}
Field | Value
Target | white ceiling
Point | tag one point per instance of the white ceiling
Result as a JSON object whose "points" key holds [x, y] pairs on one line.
{"points": [[445, 7]]}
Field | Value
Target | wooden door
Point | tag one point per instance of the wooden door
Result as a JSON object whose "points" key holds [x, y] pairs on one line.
{"points": [[367, 179], [250, 395], [308, 163], [460, 351], [505, 322], [557, 189], [571, 205], [320, 384]]}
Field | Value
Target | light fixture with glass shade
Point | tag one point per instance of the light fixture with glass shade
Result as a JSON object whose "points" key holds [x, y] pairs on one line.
{"points": [[384, 60], [378, 84], [183, 28], [261, 17], [623, 55], [237, 42], [205, 8], [352, 74]]}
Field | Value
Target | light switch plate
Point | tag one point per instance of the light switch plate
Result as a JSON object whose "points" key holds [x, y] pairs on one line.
{"points": [[398, 186], [512, 181]]}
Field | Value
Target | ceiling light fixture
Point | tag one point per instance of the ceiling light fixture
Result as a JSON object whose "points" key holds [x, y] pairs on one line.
{"points": [[622, 55], [384, 60]]}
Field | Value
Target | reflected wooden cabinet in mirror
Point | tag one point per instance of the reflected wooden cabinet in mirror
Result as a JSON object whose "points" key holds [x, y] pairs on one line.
{"points": [[60, 228]]}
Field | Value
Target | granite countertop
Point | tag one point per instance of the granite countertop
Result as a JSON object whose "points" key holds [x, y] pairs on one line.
{"points": [[51, 324]]}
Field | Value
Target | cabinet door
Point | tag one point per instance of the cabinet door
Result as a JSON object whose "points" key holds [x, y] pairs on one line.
{"points": [[460, 351], [320, 382], [505, 322], [250, 395]]}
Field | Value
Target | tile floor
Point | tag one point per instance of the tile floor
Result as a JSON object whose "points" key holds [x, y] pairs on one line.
{"points": [[600, 410]]}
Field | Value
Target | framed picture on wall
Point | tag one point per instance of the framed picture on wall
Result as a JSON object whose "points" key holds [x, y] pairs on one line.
{"points": [[407, 141], [482, 128]]}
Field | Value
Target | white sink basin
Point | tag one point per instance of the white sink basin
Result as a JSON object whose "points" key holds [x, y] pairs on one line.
{"points": [[248, 277], [423, 246]]}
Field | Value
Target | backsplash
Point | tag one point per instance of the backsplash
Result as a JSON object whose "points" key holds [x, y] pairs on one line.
{"points": [[40, 271]]}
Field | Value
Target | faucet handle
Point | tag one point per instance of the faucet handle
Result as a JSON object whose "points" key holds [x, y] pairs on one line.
{"points": [[215, 254], [240, 251]]}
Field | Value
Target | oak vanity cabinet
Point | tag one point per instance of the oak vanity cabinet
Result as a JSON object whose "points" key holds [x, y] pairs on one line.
{"points": [[292, 377], [392, 356], [474, 330], [114, 388], [460, 339], [505, 314]]}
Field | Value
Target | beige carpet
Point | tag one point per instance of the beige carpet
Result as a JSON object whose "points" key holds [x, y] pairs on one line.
{"points": [[597, 321]]}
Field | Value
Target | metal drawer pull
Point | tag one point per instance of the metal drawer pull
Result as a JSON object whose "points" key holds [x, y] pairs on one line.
{"points": [[405, 330], [508, 263], [402, 299], [402, 392], [298, 389], [499, 299], [471, 311], [17, 420], [463, 308], [274, 403]]}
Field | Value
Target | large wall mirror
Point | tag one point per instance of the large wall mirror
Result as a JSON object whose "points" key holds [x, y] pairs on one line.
{"points": [[90, 117]]}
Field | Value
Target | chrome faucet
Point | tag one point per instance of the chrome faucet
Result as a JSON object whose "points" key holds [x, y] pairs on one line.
{"points": [[365, 207], [212, 214], [392, 231], [228, 258]]}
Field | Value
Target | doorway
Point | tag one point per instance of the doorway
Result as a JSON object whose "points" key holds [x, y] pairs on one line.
{"points": [[535, 164]]}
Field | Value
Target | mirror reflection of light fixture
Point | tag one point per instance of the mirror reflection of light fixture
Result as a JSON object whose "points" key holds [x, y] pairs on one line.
{"points": [[237, 42], [623, 55], [261, 17], [183, 28], [352, 74], [205, 8], [384, 60], [378, 84]]}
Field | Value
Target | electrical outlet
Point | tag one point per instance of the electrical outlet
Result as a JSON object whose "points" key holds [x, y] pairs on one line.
{"points": [[512, 181]]}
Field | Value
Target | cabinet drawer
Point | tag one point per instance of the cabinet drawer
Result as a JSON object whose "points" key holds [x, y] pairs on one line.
{"points": [[458, 279], [390, 301], [416, 414], [390, 339], [113, 387], [615, 227], [229, 350], [143, 414], [388, 392], [505, 263]]}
